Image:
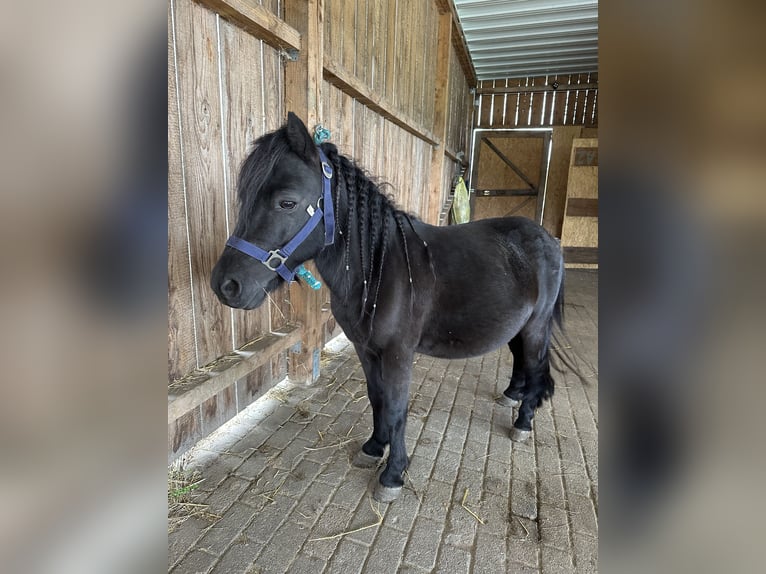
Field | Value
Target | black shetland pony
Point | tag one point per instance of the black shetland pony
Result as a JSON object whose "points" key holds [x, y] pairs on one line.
{"points": [[398, 285]]}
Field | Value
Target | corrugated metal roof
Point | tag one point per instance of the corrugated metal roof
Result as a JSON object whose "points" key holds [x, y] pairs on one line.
{"points": [[521, 38]]}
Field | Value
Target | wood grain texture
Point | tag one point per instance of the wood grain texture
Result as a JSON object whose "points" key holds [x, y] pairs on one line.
{"points": [[258, 21], [582, 207], [200, 120], [347, 82], [182, 356], [558, 175], [441, 108], [244, 121]]}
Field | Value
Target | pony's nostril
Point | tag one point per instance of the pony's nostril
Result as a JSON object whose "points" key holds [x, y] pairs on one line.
{"points": [[230, 288]]}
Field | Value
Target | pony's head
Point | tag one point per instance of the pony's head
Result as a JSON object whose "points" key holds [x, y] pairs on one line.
{"points": [[279, 187]]}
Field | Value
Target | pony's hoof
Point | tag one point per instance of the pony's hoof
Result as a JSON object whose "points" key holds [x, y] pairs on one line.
{"points": [[519, 435], [507, 401], [363, 460], [386, 493]]}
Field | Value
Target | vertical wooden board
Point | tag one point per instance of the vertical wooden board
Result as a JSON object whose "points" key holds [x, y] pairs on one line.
{"points": [[182, 357], [244, 121], [253, 386], [550, 97], [558, 175], [593, 118], [274, 89], [329, 23], [419, 70], [196, 37], [559, 104], [380, 147], [183, 433], [349, 35], [579, 116], [360, 69], [392, 35], [377, 48], [218, 409], [486, 106], [512, 103], [537, 101], [525, 103], [274, 6], [498, 111], [281, 309], [431, 66], [370, 48], [359, 133], [347, 109]]}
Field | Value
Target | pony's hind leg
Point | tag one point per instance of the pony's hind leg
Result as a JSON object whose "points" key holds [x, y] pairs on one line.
{"points": [[538, 380], [513, 395]]}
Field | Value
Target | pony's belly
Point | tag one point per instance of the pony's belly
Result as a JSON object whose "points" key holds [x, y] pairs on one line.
{"points": [[453, 347]]}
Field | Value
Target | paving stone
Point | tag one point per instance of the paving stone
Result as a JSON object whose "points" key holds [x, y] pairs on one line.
{"points": [[554, 560], [586, 553], [348, 558], [239, 557], [424, 543], [489, 557], [554, 526], [401, 515], [333, 520], [195, 561], [219, 535], [453, 560], [386, 551], [583, 515], [224, 496], [269, 518], [304, 564], [182, 539], [437, 499]]}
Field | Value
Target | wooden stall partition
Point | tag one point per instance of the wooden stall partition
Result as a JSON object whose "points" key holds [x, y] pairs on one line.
{"points": [[579, 235], [225, 88]]}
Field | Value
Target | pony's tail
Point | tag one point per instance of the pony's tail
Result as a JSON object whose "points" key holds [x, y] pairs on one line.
{"points": [[562, 349]]}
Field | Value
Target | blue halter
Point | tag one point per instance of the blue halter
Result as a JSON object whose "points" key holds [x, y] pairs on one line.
{"points": [[276, 259]]}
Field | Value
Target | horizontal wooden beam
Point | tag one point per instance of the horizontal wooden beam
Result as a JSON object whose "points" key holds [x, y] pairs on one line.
{"points": [[348, 83], [527, 89], [453, 156], [258, 21], [582, 207], [581, 255], [202, 384], [506, 192]]}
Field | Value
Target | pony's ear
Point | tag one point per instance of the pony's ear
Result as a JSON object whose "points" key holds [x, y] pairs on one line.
{"points": [[299, 138]]}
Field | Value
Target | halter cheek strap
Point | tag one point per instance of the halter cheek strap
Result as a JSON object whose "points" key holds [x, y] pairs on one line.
{"points": [[276, 259]]}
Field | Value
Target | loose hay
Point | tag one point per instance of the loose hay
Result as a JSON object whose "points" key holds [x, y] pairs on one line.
{"points": [[471, 512], [183, 498]]}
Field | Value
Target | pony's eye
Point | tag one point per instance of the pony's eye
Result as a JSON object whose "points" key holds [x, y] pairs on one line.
{"points": [[287, 204]]}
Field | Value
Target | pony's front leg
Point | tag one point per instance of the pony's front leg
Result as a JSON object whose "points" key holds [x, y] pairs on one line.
{"points": [[373, 450], [394, 386]]}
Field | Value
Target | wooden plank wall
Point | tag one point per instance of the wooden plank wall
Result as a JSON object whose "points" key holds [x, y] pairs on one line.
{"points": [[579, 236], [571, 107], [226, 86]]}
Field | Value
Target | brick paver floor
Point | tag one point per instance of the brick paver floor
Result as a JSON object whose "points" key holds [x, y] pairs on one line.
{"points": [[288, 500]]}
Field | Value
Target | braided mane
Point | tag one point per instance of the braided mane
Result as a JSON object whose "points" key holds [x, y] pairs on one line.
{"points": [[366, 233]]}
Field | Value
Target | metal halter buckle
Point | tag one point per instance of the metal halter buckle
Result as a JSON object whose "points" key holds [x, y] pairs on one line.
{"points": [[327, 170], [275, 255]]}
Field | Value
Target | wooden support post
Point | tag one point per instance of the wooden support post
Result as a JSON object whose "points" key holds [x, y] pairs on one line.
{"points": [[441, 103], [303, 95]]}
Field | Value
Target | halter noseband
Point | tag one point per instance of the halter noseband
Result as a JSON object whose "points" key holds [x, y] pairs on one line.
{"points": [[276, 259]]}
